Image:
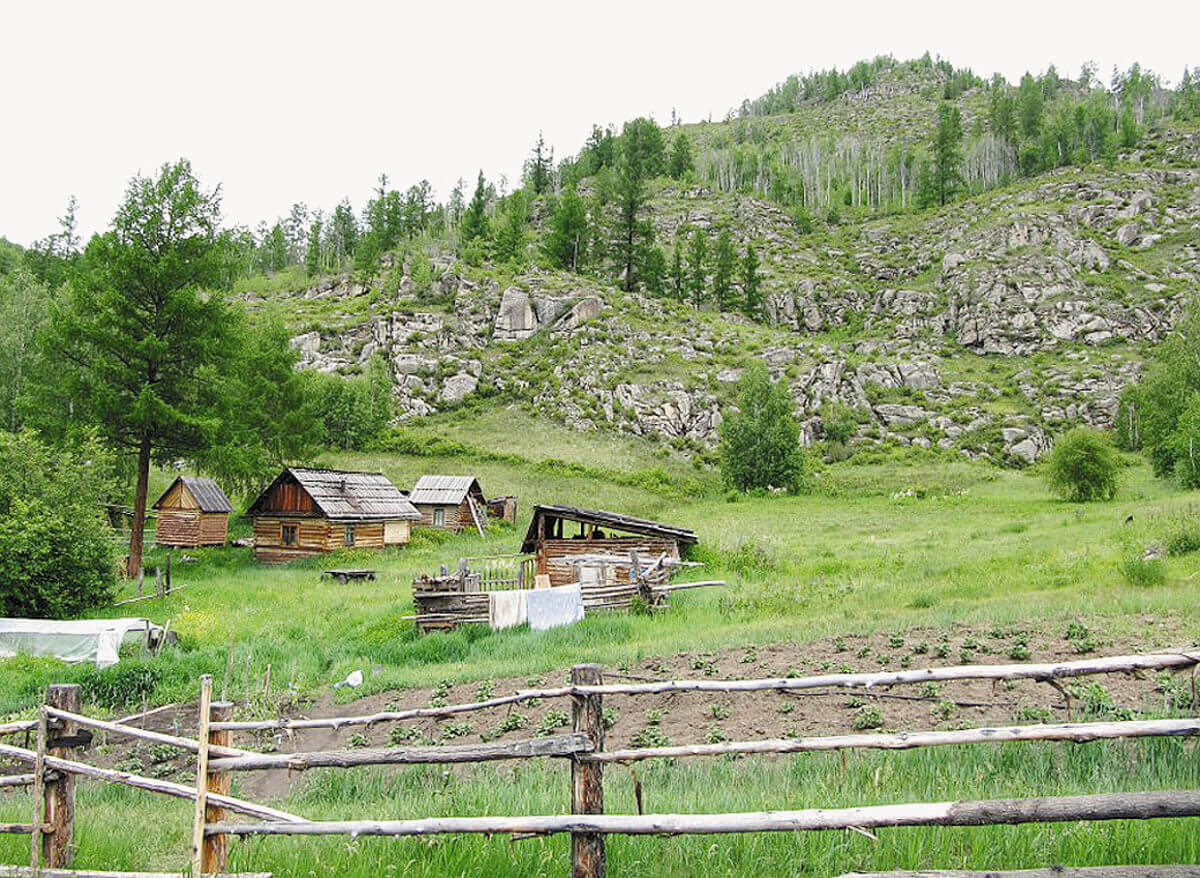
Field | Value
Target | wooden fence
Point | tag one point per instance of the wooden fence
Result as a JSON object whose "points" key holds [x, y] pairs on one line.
{"points": [[61, 727]]}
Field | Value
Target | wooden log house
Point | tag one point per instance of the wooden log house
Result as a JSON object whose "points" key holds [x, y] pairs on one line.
{"points": [[192, 512], [307, 512], [451, 502], [558, 535]]}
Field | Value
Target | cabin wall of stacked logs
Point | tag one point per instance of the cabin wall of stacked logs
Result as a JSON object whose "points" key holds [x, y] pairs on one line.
{"points": [[61, 728]]}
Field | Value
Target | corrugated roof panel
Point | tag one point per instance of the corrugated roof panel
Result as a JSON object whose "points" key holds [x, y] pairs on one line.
{"points": [[614, 520], [348, 496], [441, 490], [207, 494]]}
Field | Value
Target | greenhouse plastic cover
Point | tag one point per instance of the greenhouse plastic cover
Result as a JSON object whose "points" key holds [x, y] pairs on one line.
{"points": [[78, 640]]}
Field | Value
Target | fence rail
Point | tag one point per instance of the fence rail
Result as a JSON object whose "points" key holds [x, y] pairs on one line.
{"points": [[52, 778]]}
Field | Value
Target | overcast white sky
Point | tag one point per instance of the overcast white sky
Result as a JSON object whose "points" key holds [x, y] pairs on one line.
{"points": [[309, 101]]}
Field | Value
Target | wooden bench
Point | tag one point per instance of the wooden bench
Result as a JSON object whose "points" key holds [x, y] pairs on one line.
{"points": [[344, 576]]}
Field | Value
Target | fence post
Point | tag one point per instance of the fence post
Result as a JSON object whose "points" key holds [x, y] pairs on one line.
{"points": [[216, 847], [587, 778], [58, 793], [199, 815]]}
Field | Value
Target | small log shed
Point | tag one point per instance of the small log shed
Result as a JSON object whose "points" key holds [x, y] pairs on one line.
{"points": [[192, 512], [451, 502], [307, 512], [558, 534]]}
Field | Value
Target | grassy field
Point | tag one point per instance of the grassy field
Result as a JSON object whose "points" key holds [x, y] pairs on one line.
{"points": [[871, 548]]}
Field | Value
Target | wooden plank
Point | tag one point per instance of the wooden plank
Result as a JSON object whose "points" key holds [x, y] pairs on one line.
{"points": [[117, 728], [555, 745], [18, 728], [17, 780], [39, 790], [214, 852], [990, 812], [59, 794], [1051, 872], [201, 775], [1074, 732], [153, 785], [1157, 661], [1114, 664], [588, 856]]}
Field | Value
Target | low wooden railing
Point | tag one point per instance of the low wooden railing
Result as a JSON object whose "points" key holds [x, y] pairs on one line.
{"points": [[60, 721]]}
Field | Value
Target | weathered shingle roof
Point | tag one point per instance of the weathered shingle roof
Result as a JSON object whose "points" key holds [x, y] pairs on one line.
{"points": [[207, 494], [349, 496], [612, 520], [442, 490]]}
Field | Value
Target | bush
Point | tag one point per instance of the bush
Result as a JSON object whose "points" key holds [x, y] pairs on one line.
{"points": [[1083, 466], [54, 562], [760, 443], [1145, 572]]}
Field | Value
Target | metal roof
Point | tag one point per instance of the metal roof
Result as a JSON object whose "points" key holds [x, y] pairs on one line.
{"points": [[349, 496], [443, 490], [208, 496], [613, 520]]}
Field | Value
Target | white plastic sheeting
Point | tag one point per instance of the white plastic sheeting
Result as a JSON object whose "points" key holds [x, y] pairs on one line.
{"points": [[78, 640]]}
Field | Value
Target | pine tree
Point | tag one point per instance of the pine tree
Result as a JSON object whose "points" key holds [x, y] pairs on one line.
{"points": [[137, 339], [752, 301], [654, 271], [510, 232], [475, 222], [629, 230], [723, 266], [681, 161], [946, 166], [1029, 108], [696, 272], [312, 254], [566, 245], [537, 168], [677, 274]]}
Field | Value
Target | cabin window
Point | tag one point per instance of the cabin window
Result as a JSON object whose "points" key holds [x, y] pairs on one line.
{"points": [[349, 535], [289, 534], [439, 518]]}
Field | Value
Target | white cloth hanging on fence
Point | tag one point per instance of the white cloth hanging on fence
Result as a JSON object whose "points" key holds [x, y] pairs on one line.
{"points": [[76, 640], [552, 607], [506, 608]]}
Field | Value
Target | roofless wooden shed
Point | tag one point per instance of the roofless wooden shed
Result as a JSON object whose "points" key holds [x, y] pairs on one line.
{"points": [[307, 512], [558, 535], [192, 512], [450, 502]]}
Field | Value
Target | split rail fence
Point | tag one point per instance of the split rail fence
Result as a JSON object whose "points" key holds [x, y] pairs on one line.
{"points": [[61, 727]]}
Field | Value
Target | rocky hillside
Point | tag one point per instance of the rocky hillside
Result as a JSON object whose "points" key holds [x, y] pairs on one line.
{"points": [[979, 328]]}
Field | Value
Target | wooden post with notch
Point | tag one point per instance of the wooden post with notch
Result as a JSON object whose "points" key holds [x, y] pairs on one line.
{"points": [[587, 778], [215, 852], [199, 815], [58, 792]]}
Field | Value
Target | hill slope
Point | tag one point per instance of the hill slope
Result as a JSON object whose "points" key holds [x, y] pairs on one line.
{"points": [[977, 328]]}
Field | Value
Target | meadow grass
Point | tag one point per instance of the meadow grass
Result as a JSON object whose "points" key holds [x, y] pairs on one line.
{"points": [[871, 547], [813, 780], [876, 547]]}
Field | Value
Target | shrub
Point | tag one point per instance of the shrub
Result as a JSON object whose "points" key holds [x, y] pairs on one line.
{"points": [[53, 563], [1083, 466], [1141, 571], [760, 443]]}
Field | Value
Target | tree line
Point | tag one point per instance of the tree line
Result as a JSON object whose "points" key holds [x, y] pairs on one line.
{"points": [[132, 342]]}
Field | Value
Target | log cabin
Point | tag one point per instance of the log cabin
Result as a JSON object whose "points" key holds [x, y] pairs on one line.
{"points": [[192, 512], [450, 502], [558, 535], [307, 512]]}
